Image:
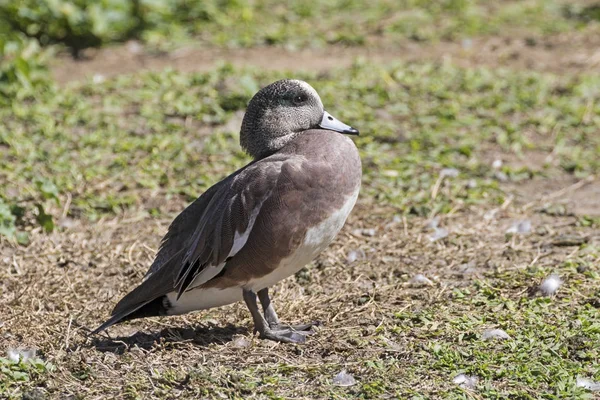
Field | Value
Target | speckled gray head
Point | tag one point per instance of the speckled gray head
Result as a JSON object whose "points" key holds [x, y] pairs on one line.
{"points": [[279, 112]]}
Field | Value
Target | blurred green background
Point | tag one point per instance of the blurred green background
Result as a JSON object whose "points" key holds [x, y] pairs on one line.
{"points": [[28, 27]]}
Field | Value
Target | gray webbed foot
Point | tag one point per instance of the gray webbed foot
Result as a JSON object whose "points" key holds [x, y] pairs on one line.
{"points": [[268, 326], [305, 329], [284, 335]]}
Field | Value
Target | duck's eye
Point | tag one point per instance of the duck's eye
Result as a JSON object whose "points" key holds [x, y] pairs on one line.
{"points": [[299, 99]]}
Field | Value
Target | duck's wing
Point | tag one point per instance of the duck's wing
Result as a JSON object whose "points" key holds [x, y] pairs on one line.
{"points": [[181, 229], [203, 237]]}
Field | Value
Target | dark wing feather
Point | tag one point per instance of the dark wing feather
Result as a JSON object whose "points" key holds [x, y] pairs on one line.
{"points": [[202, 235], [231, 211], [182, 228], [150, 289]]}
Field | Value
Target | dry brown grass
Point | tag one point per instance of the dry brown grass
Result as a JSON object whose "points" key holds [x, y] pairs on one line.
{"points": [[67, 282]]}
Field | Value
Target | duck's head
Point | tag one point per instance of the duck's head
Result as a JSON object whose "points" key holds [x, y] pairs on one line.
{"points": [[281, 111]]}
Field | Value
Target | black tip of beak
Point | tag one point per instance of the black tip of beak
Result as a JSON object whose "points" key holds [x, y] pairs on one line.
{"points": [[351, 131]]}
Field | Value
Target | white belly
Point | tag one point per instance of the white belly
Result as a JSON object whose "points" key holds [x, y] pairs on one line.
{"points": [[202, 299], [316, 240]]}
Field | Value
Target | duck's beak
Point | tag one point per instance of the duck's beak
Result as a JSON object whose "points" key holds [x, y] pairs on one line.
{"points": [[334, 124]]}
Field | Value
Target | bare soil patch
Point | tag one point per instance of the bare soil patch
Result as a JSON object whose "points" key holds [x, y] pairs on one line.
{"points": [[563, 194], [550, 187], [573, 52]]}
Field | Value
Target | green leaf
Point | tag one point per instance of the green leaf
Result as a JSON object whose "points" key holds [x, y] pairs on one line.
{"points": [[22, 238], [7, 220], [45, 220], [47, 189]]}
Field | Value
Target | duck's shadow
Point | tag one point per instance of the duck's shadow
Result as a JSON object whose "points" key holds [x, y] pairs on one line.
{"points": [[200, 336]]}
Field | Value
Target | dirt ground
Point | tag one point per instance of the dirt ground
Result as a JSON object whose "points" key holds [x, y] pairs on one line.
{"points": [[561, 53], [352, 297]]}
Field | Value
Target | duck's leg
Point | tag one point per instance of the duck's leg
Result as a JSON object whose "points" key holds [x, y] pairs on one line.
{"points": [[262, 327], [268, 309], [273, 320]]}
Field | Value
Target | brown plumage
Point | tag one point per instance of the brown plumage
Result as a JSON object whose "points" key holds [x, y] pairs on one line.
{"points": [[263, 222]]}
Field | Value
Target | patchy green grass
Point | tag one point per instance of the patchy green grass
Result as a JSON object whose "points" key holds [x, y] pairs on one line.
{"points": [[111, 146], [31, 29], [142, 146], [13, 373], [552, 340]]}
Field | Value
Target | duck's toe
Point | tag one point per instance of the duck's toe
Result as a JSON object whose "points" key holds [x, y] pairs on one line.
{"points": [[305, 329], [284, 335]]}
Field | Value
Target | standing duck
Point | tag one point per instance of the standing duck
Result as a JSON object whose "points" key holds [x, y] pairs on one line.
{"points": [[261, 224]]}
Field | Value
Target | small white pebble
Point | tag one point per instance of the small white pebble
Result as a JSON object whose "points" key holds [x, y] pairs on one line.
{"points": [[364, 232], [497, 164], [550, 285], [588, 384], [134, 47], [466, 381], [520, 227], [420, 280], [395, 221], [354, 255], [344, 379], [495, 334], [439, 233], [449, 172], [13, 355], [433, 223], [67, 223], [240, 342], [491, 214], [20, 354], [467, 43], [469, 268], [501, 176], [98, 79], [472, 184]]}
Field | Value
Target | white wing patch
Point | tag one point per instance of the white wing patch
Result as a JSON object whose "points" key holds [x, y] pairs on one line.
{"points": [[209, 272], [240, 239]]}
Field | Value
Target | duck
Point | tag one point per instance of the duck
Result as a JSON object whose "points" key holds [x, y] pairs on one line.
{"points": [[261, 224]]}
